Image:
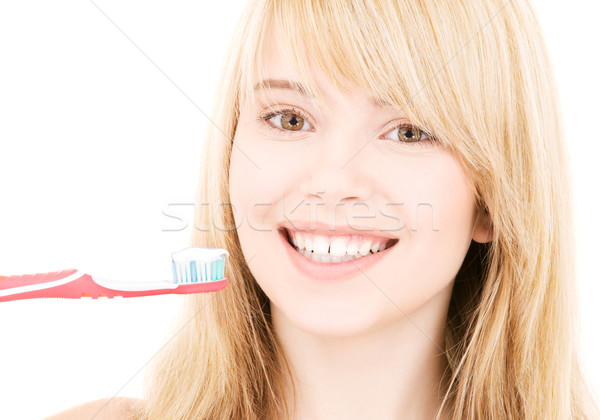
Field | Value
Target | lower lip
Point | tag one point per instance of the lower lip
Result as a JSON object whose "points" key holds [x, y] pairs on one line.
{"points": [[331, 271]]}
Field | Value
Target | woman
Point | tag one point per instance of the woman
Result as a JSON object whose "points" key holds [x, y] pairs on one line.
{"points": [[430, 129]]}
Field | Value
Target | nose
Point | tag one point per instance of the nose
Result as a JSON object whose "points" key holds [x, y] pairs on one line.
{"points": [[339, 172]]}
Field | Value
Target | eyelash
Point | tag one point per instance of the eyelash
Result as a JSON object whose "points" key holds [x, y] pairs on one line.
{"points": [[264, 119]]}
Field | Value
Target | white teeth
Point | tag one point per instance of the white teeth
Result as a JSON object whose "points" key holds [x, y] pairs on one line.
{"points": [[321, 248], [320, 245], [300, 240], [308, 245], [338, 247], [352, 248], [326, 258], [365, 248]]}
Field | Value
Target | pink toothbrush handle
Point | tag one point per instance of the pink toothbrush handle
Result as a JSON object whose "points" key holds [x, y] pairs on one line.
{"points": [[73, 284]]}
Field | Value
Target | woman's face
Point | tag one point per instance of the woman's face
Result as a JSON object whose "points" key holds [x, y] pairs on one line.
{"points": [[345, 167]]}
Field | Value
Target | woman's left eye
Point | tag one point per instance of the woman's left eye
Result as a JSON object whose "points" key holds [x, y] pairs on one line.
{"points": [[407, 133]]}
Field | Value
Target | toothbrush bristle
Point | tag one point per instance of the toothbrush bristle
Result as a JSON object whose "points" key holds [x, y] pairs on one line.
{"points": [[199, 271], [199, 265]]}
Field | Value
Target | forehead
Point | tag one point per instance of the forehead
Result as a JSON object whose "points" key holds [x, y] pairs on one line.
{"points": [[279, 70], [299, 88]]}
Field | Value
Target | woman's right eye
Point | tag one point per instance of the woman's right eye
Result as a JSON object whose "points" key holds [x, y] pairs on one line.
{"points": [[287, 121]]}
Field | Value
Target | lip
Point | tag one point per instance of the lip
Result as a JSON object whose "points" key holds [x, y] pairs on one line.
{"points": [[330, 272], [319, 228]]}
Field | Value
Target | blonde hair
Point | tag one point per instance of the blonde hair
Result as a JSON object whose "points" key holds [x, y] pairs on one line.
{"points": [[476, 75]]}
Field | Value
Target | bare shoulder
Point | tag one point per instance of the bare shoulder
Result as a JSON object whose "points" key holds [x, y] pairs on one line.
{"points": [[117, 408]]}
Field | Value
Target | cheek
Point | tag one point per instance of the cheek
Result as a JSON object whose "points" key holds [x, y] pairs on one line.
{"points": [[261, 173], [440, 213], [257, 182], [244, 194]]}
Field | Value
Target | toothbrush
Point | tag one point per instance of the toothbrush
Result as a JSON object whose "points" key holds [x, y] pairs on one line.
{"points": [[195, 270]]}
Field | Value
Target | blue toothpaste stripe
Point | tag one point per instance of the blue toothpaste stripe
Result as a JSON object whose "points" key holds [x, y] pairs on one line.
{"points": [[194, 274], [175, 279]]}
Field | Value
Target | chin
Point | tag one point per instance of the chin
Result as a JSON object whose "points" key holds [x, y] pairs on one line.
{"points": [[328, 321]]}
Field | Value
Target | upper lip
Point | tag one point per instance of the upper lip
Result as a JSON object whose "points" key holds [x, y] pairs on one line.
{"points": [[325, 229]]}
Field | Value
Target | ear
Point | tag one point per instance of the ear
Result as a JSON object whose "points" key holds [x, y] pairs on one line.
{"points": [[483, 229]]}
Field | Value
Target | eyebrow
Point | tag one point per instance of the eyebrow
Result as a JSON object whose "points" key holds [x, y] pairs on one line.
{"points": [[302, 90]]}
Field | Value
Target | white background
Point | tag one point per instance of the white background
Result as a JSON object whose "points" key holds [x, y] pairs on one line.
{"points": [[101, 119]]}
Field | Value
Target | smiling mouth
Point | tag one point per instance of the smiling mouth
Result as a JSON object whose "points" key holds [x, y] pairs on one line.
{"points": [[328, 257]]}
